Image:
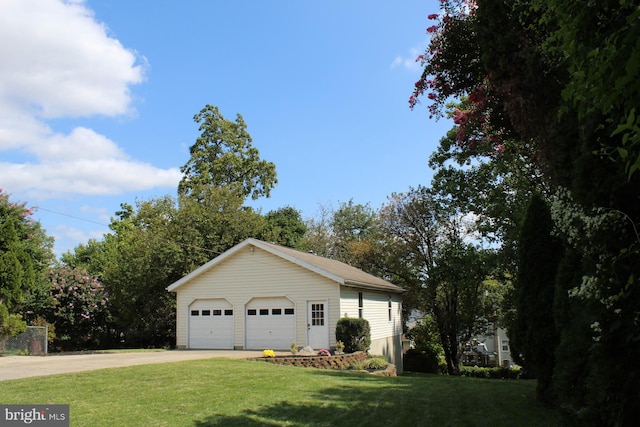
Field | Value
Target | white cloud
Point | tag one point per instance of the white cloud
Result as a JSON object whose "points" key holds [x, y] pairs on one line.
{"points": [[68, 237], [408, 61], [59, 62]]}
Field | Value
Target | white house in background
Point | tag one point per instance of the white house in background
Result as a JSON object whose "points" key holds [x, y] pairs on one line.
{"points": [[259, 295], [489, 349]]}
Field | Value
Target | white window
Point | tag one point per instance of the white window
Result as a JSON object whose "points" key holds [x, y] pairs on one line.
{"points": [[317, 314], [360, 304], [505, 345]]}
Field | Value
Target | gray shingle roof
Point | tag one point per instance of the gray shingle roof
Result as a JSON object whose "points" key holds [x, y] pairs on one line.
{"points": [[351, 276]]}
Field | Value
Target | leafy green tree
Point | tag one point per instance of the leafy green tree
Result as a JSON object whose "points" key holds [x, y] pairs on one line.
{"points": [[208, 226], [134, 263], [351, 234], [445, 277], [455, 297], [16, 268], [319, 238], [25, 256], [223, 156], [354, 227], [285, 227]]}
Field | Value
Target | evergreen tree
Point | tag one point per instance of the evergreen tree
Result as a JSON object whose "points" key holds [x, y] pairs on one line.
{"points": [[533, 333]]}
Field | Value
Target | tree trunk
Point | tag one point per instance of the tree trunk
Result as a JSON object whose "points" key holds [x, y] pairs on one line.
{"points": [[450, 347]]}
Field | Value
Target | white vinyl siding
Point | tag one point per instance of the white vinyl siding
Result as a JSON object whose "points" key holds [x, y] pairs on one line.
{"points": [[375, 310], [348, 302], [252, 273]]}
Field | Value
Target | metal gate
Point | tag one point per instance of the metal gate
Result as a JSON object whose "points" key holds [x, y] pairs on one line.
{"points": [[32, 342]]}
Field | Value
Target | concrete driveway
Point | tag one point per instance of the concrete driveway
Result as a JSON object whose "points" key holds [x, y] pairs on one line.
{"points": [[14, 367]]}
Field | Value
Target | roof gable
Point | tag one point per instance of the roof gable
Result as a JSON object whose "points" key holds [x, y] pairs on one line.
{"points": [[337, 271]]}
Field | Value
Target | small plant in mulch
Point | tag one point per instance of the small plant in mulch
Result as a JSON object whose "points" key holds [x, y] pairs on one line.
{"points": [[372, 363]]}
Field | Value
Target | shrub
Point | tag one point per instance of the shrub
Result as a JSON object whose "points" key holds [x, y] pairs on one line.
{"points": [[428, 355], [503, 373], [373, 363], [423, 361], [354, 333]]}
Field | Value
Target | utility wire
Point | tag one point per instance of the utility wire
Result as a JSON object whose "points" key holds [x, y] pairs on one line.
{"points": [[70, 216]]}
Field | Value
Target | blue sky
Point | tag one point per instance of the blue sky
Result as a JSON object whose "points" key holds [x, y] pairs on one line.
{"points": [[97, 99]]}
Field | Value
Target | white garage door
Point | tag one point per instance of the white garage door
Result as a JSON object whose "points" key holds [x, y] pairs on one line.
{"points": [[270, 323], [211, 324]]}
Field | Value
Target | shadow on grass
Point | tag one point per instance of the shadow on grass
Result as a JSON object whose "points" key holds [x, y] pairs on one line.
{"points": [[411, 400], [350, 405]]}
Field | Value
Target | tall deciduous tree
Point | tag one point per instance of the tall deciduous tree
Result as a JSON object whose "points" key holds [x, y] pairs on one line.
{"points": [[455, 296], [223, 156], [356, 229], [446, 277]]}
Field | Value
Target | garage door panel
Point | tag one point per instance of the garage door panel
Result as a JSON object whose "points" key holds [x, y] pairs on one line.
{"points": [[211, 324], [270, 323]]}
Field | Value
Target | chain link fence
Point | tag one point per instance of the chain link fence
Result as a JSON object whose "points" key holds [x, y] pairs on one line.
{"points": [[32, 342]]}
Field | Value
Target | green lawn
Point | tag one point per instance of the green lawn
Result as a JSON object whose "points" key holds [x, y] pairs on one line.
{"points": [[223, 392]]}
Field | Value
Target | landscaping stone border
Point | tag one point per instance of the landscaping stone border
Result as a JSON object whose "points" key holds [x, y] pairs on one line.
{"points": [[340, 361]]}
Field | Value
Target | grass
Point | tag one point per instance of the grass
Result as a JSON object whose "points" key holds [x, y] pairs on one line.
{"points": [[224, 392]]}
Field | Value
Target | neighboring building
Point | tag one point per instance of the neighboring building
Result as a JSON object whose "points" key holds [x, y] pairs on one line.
{"points": [[490, 350], [259, 295]]}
